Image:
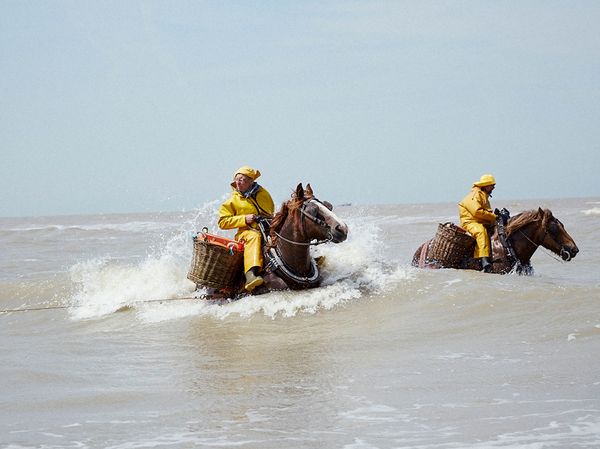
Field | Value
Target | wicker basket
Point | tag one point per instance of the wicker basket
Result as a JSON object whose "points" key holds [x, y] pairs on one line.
{"points": [[215, 264], [451, 245]]}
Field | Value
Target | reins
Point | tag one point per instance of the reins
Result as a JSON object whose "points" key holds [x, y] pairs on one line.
{"points": [[537, 246], [515, 262], [311, 243], [315, 220], [276, 262]]}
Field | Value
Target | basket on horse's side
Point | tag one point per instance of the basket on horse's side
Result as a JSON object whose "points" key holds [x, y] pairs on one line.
{"points": [[216, 262], [451, 245]]}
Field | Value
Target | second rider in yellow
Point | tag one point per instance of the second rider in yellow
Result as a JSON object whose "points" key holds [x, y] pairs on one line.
{"points": [[477, 218]]}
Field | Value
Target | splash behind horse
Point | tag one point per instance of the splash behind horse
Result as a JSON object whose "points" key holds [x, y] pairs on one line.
{"points": [[525, 233], [302, 222]]}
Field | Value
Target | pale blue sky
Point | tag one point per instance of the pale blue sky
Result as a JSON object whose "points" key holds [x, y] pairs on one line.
{"points": [[141, 106]]}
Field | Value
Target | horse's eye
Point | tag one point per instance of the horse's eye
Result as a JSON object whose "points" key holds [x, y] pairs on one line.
{"points": [[328, 205]]}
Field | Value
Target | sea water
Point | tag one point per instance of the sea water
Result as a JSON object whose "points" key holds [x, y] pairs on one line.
{"points": [[105, 346]]}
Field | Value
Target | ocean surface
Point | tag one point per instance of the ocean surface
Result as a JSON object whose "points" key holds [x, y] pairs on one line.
{"points": [[99, 350]]}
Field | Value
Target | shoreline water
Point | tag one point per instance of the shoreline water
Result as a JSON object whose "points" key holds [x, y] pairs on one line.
{"points": [[382, 356], [504, 202]]}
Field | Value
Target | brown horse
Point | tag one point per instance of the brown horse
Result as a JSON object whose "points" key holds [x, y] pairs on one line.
{"points": [[302, 222], [525, 233]]}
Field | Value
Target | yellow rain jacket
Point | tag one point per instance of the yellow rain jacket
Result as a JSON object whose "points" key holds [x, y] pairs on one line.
{"points": [[232, 214], [476, 215]]}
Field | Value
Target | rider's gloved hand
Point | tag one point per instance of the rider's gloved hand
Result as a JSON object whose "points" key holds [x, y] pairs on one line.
{"points": [[504, 214]]}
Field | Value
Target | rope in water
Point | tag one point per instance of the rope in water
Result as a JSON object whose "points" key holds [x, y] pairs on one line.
{"points": [[31, 309]]}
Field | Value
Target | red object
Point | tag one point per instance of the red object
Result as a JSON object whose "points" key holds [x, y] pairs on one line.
{"points": [[231, 245]]}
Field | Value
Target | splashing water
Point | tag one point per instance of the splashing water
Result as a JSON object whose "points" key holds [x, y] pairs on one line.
{"points": [[351, 269]]}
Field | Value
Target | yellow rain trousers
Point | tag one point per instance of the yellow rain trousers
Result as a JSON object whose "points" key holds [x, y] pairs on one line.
{"points": [[476, 215], [232, 214]]}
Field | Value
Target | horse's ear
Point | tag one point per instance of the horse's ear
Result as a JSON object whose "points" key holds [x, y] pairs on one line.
{"points": [[546, 215], [308, 192], [540, 214], [299, 192]]}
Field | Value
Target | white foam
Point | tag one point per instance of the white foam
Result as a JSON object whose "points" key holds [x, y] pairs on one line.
{"points": [[592, 211], [131, 226], [107, 287], [351, 269]]}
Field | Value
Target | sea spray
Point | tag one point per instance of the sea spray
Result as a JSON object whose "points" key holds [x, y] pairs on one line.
{"points": [[105, 285], [351, 270]]}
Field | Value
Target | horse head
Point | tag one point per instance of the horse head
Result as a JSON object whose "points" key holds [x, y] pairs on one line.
{"points": [[301, 222], [535, 228], [308, 218], [555, 237], [322, 223]]}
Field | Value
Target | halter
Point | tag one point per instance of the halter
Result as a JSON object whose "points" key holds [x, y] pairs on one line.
{"points": [[277, 264], [315, 220], [537, 245]]}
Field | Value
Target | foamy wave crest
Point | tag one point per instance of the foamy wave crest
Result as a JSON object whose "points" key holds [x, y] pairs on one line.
{"points": [[592, 211], [352, 270], [105, 285]]}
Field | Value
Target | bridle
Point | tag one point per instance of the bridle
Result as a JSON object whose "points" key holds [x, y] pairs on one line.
{"points": [[315, 219], [537, 245], [276, 262]]}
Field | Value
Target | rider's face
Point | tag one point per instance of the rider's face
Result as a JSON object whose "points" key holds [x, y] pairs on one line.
{"points": [[489, 189], [242, 182]]}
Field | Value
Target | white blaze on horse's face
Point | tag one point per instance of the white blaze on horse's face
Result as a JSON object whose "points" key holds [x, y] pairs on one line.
{"points": [[339, 230]]}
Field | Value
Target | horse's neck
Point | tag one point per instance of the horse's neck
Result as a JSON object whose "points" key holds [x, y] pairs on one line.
{"points": [[524, 242], [296, 257]]}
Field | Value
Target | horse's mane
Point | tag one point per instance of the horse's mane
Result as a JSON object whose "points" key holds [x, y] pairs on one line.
{"points": [[278, 220], [280, 217], [524, 218]]}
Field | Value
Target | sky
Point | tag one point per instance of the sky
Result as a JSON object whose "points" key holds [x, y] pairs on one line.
{"points": [[151, 106]]}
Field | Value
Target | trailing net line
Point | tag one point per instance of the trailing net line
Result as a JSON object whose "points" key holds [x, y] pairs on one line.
{"points": [[31, 309]]}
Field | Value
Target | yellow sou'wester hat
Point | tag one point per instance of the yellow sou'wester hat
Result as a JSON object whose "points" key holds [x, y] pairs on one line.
{"points": [[248, 171], [485, 180]]}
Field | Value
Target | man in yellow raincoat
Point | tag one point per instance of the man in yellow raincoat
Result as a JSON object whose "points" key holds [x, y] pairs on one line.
{"points": [[241, 210], [477, 218]]}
